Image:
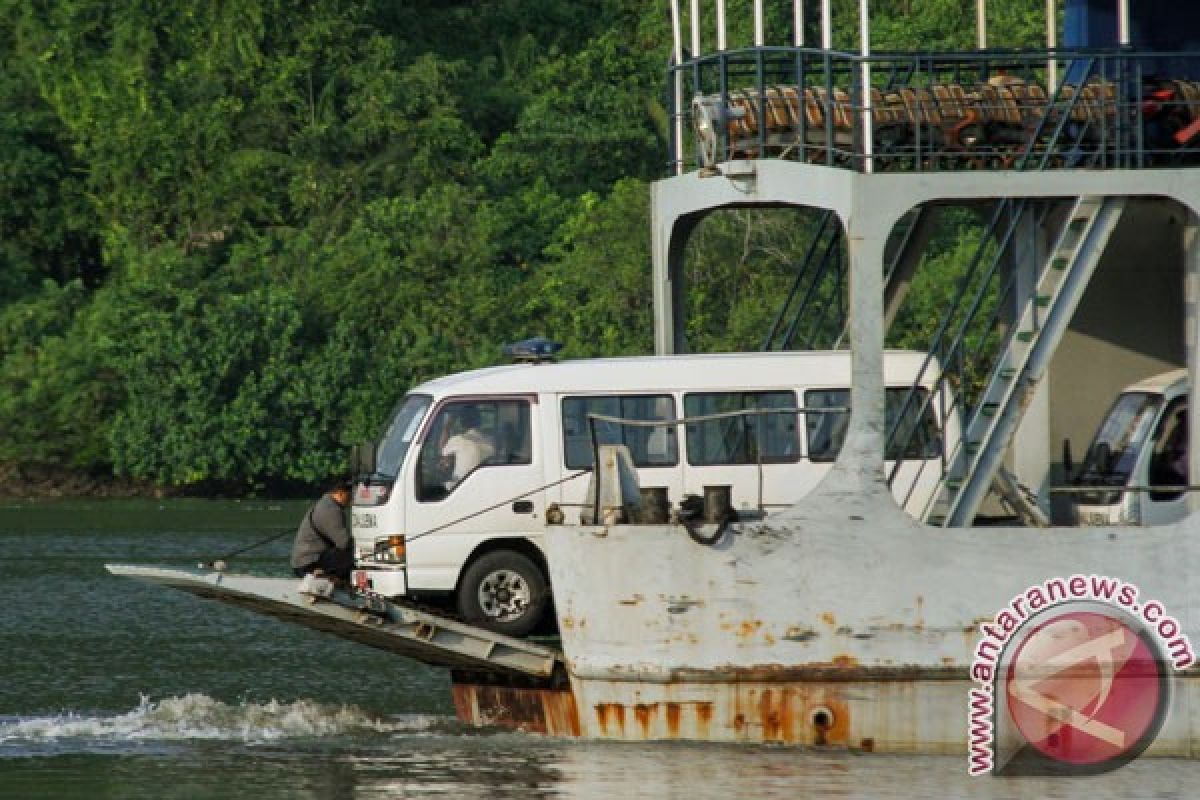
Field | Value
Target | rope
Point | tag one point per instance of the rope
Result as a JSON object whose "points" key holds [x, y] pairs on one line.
{"points": [[221, 559]]}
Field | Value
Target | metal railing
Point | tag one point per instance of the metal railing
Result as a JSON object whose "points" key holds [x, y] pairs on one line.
{"points": [[936, 111], [683, 421]]}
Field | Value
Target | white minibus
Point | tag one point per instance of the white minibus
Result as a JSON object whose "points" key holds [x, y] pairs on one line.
{"points": [[470, 466]]}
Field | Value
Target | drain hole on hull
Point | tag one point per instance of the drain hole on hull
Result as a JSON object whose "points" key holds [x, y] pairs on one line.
{"points": [[822, 718], [822, 722]]}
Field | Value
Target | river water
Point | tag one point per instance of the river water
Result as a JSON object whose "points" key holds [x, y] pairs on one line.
{"points": [[114, 689]]}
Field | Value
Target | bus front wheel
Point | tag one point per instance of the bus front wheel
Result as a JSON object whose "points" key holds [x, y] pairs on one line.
{"points": [[503, 591]]}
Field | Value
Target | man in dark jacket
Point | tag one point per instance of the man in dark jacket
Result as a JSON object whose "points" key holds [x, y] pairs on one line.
{"points": [[323, 541]]}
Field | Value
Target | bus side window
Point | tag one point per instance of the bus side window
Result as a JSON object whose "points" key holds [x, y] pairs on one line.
{"points": [[651, 446], [916, 437], [741, 439], [826, 430]]}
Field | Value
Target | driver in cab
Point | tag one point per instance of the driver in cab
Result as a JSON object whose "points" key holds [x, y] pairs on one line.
{"points": [[467, 448]]}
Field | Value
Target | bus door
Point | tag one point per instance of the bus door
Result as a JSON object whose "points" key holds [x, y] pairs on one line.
{"points": [[476, 461], [1167, 466]]}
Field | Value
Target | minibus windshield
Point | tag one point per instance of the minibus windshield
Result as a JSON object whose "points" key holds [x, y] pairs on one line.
{"points": [[1114, 452], [401, 430]]}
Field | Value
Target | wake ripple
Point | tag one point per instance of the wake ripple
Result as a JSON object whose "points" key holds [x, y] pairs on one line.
{"points": [[198, 716]]}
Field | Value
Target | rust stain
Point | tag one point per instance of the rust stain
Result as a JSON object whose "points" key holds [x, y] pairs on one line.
{"points": [[673, 714], [704, 712], [844, 661], [464, 706], [739, 722], [839, 732], [827, 618], [548, 711], [769, 716], [632, 601], [643, 712], [749, 628], [568, 623], [867, 745], [611, 715]]}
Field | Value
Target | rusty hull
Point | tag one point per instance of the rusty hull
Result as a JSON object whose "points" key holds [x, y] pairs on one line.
{"points": [[547, 711], [842, 622]]}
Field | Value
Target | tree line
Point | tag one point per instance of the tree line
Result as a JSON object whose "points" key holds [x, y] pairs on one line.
{"points": [[236, 233]]}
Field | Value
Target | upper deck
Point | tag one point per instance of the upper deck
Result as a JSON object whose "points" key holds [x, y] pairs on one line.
{"points": [[1122, 107]]}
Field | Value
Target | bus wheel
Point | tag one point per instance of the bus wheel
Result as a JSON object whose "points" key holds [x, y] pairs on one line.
{"points": [[503, 591]]}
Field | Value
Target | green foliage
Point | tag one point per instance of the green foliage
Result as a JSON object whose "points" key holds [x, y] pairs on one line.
{"points": [[595, 296], [235, 233]]}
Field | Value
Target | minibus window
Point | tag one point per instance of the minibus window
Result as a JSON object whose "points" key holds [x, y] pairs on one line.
{"points": [[826, 430], [1114, 452], [470, 435], [1169, 459], [741, 439], [399, 434], [917, 434], [650, 446]]}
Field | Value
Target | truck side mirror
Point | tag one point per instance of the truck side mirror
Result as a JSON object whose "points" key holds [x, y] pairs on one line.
{"points": [[1104, 457], [362, 459], [1067, 461]]}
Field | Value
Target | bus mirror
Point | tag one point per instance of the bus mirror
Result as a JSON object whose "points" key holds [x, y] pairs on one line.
{"points": [[362, 459], [1067, 461]]}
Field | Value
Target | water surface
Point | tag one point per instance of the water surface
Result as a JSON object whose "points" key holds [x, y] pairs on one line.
{"points": [[114, 689]]}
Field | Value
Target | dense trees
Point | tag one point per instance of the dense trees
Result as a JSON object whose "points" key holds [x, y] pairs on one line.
{"points": [[235, 233]]}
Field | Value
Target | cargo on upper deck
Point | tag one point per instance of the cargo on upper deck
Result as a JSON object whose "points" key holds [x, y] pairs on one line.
{"points": [[1125, 98]]}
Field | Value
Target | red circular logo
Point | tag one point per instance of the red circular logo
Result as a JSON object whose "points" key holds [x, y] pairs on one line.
{"points": [[1087, 689]]}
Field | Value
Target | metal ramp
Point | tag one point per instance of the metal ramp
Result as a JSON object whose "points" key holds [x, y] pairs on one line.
{"points": [[367, 619], [975, 463]]}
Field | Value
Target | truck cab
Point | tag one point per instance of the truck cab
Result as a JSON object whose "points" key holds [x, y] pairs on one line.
{"points": [[1135, 471]]}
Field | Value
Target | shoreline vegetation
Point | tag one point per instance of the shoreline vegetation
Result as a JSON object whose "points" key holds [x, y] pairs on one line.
{"points": [[27, 483], [234, 236]]}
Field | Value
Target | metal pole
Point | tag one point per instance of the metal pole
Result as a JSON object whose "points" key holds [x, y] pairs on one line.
{"points": [[826, 25], [981, 23], [798, 22], [676, 115], [1123, 22], [721, 25], [868, 122], [758, 23], [675, 32], [1051, 44], [695, 19]]}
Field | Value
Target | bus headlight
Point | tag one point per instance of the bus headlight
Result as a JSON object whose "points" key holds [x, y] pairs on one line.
{"points": [[390, 549]]}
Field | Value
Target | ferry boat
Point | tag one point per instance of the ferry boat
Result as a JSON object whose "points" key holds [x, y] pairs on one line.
{"points": [[845, 620]]}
